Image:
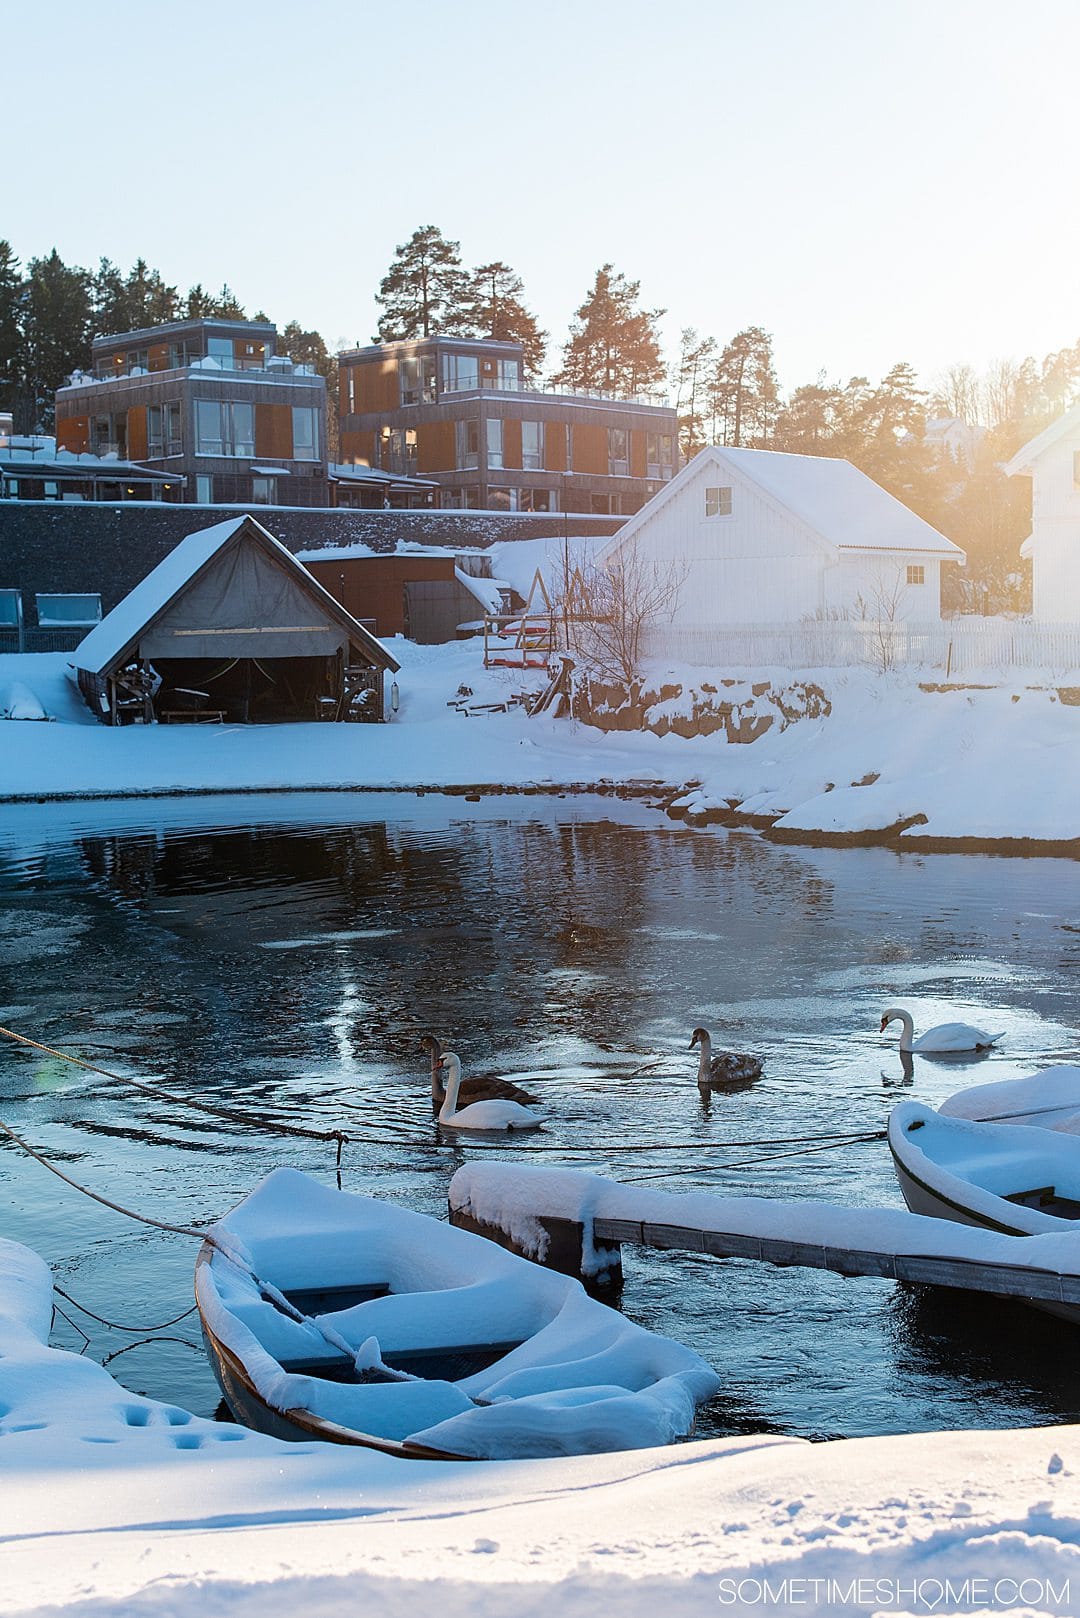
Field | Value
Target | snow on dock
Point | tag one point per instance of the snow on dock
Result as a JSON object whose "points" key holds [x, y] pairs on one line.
{"points": [[570, 1219]]}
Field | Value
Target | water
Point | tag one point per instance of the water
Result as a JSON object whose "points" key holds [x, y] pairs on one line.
{"points": [[283, 956]]}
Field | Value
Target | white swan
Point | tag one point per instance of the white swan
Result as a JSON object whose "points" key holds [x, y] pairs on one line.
{"points": [[946, 1038], [718, 1070], [479, 1089], [481, 1114]]}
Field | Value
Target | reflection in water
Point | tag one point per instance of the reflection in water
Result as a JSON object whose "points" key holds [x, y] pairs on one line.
{"points": [[289, 969]]}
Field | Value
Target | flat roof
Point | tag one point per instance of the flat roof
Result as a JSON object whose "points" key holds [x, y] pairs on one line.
{"points": [[239, 328], [409, 345]]}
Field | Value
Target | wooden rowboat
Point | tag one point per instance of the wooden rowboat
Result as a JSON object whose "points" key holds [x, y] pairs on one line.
{"points": [[345, 1318]]}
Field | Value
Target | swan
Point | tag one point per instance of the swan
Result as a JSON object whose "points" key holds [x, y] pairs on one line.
{"points": [[717, 1070], [480, 1089], [947, 1038], [481, 1114]]}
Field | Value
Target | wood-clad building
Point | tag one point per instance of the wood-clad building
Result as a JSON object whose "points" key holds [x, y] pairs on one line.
{"points": [[209, 400], [231, 626], [457, 411]]}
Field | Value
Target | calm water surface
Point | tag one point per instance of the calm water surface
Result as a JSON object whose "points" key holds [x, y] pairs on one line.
{"points": [[283, 955]]}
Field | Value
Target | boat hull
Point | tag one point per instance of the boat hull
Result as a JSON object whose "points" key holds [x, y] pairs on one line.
{"points": [[922, 1198]]}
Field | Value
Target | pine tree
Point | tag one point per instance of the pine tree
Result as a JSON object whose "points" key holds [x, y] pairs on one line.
{"points": [[744, 395], [614, 346], [689, 376], [426, 290], [498, 311], [11, 303], [57, 328], [226, 306]]}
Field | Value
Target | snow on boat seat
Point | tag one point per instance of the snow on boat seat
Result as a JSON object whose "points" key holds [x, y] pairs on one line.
{"points": [[471, 1351]]}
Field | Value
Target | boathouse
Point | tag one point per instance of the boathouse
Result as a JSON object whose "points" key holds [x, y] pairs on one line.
{"points": [[230, 626]]}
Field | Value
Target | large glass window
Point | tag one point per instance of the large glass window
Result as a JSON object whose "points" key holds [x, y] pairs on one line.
{"points": [[494, 443], [163, 433], [659, 456], [224, 427], [409, 377], [305, 433], [532, 445], [467, 435], [460, 372], [618, 451], [221, 350], [508, 374]]}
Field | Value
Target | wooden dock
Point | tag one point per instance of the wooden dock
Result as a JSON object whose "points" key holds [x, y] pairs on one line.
{"points": [[913, 1247]]}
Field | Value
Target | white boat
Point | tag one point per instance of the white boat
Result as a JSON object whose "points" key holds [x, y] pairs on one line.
{"points": [[343, 1317], [1004, 1177], [1049, 1099]]}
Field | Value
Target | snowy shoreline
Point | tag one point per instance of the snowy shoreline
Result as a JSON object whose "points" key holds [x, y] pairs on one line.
{"points": [[989, 769]]}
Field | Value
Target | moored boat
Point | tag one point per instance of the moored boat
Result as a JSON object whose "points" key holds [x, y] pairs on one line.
{"points": [[343, 1317], [1004, 1177]]}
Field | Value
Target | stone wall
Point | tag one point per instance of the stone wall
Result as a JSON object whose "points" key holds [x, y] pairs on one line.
{"points": [[61, 547], [743, 709]]}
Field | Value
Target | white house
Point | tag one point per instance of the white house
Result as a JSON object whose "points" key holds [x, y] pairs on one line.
{"points": [[1052, 461], [768, 538]]}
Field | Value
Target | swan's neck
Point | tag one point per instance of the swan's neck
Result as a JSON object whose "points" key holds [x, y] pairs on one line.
{"points": [[704, 1060], [907, 1028], [453, 1084]]}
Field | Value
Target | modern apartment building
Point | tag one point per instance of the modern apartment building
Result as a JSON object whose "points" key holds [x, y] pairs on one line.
{"points": [[457, 411], [208, 399]]}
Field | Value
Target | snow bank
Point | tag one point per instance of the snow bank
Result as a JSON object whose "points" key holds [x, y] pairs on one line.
{"points": [[116, 1504], [993, 764]]}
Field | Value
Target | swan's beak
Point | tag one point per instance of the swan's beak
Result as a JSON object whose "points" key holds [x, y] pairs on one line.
{"points": [[884, 1025]]}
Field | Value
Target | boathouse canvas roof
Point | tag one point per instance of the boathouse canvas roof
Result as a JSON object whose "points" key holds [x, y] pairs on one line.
{"points": [[231, 590], [844, 507]]}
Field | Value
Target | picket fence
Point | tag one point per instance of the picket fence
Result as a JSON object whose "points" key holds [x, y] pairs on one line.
{"points": [[950, 647]]}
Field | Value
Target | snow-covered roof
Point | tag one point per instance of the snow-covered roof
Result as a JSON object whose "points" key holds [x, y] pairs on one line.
{"points": [[117, 633], [516, 560], [1025, 458], [843, 506]]}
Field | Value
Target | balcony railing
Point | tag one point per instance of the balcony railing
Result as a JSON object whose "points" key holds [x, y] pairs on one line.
{"points": [[279, 367]]}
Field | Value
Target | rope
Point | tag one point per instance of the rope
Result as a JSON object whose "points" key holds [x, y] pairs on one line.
{"points": [[231, 1113], [117, 1325]]}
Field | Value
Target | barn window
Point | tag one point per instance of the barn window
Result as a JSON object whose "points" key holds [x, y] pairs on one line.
{"points": [[916, 573], [718, 502]]}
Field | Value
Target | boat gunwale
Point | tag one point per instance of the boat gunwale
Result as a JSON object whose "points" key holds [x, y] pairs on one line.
{"points": [[309, 1424]]}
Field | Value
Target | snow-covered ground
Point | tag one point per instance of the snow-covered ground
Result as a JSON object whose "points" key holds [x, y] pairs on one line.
{"points": [[114, 1504], [994, 763]]}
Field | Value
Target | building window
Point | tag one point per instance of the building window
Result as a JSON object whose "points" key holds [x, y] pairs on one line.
{"points": [[68, 611], [352, 392], [460, 372], [718, 502], [494, 445], [226, 427], [532, 446], [163, 431], [916, 573], [204, 490], [263, 491], [508, 374], [220, 350], [467, 435], [305, 433], [409, 379], [659, 456], [537, 500], [618, 451]]}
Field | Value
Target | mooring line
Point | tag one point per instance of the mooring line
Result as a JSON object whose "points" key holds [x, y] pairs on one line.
{"points": [[337, 1136]]}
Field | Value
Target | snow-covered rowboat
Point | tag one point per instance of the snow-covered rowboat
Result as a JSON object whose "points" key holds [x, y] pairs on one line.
{"points": [[1004, 1177], [342, 1317]]}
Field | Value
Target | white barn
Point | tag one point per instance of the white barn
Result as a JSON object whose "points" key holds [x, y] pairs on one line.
{"points": [[1052, 461], [773, 539]]}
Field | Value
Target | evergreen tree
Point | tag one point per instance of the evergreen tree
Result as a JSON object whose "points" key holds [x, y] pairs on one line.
{"points": [[498, 311], [695, 354], [11, 306], [744, 394], [57, 328], [614, 346], [426, 290], [811, 423], [226, 306]]}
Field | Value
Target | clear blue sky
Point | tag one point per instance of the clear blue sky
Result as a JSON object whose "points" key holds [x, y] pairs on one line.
{"points": [[870, 180]]}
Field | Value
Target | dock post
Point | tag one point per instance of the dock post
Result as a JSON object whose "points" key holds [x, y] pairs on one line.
{"points": [[565, 1250]]}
